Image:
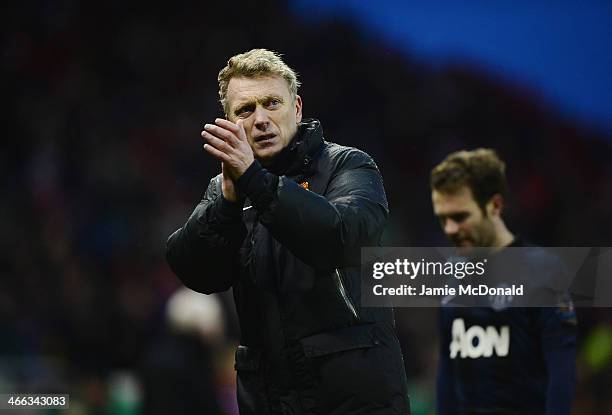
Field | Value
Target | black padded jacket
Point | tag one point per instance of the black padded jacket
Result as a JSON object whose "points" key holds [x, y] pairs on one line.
{"points": [[290, 250]]}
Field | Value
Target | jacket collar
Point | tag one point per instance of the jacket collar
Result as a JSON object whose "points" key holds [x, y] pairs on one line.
{"points": [[297, 157]]}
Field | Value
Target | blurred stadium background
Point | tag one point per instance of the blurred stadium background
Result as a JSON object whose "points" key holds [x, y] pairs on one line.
{"points": [[101, 159]]}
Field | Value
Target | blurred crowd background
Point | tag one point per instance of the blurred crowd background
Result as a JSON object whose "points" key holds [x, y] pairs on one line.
{"points": [[101, 160]]}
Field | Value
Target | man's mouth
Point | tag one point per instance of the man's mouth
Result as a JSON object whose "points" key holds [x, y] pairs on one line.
{"points": [[264, 138], [462, 242]]}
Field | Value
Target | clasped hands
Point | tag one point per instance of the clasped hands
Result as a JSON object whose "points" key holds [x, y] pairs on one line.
{"points": [[227, 142]]}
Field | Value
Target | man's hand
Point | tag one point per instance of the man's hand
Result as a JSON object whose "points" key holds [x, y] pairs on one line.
{"points": [[228, 143]]}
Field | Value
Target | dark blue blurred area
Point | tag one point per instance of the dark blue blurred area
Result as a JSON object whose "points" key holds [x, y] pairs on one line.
{"points": [[101, 160], [562, 49]]}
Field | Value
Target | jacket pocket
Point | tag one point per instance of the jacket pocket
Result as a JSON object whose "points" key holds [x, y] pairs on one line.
{"points": [[349, 338], [353, 369]]}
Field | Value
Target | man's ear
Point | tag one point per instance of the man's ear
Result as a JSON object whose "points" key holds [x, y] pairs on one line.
{"points": [[495, 206], [298, 109]]}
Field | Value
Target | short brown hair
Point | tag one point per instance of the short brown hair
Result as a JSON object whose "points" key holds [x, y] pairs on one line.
{"points": [[253, 64], [481, 170]]}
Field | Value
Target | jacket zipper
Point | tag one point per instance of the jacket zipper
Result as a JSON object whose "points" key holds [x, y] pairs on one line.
{"points": [[344, 294]]}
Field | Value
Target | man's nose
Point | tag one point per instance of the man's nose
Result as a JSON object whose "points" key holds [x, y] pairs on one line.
{"points": [[261, 120], [450, 227]]}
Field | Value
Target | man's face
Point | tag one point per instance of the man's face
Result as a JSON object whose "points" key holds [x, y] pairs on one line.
{"points": [[462, 220], [269, 113]]}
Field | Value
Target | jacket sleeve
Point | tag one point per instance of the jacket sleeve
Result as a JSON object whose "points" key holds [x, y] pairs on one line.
{"points": [[204, 252], [558, 337], [324, 232]]}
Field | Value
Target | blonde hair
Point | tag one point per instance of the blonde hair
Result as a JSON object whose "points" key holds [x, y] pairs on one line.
{"points": [[252, 64]]}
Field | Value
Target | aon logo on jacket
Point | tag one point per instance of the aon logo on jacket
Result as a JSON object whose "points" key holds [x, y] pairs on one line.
{"points": [[478, 342]]}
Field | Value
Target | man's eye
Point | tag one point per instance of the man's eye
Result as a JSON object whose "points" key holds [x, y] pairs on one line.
{"points": [[273, 103], [459, 218], [243, 112]]}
